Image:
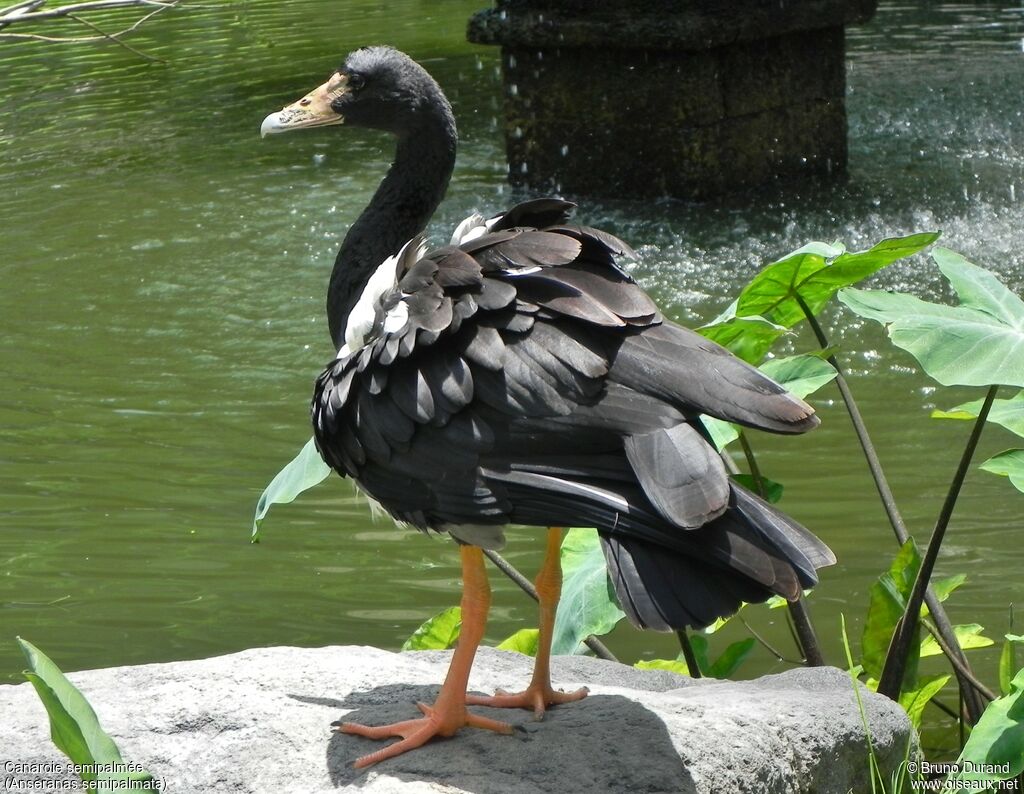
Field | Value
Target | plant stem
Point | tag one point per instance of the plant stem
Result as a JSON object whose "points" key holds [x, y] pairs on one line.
{"points": [[906, 630], [938, 612], [804, 637], [874, 464], [755, 470], [507, 568], [688, 654], [944, 709], [808, 640]]}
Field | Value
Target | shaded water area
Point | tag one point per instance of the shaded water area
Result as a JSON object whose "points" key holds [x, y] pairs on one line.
{"points": [[162, 273]]}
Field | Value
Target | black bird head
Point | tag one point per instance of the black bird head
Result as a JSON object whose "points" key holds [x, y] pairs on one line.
{"points": [[376, 87]]}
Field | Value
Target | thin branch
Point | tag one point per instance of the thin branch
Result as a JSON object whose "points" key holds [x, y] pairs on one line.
{"points": [[23, 7], [938, 612], [17, 12], [768, 646], [512, 573], [944, 708], [507, 568], [26, 11], [964, 671], [114, 37]]}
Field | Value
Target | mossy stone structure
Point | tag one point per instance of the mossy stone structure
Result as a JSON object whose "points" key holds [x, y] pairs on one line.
{"points": [[692, 98]]}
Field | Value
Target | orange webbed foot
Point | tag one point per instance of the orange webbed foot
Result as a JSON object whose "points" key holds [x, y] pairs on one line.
{"points": [[536, 697], [417, 732]]}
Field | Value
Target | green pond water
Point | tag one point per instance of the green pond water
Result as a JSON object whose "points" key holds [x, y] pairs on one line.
{"points": [[162, 273]]}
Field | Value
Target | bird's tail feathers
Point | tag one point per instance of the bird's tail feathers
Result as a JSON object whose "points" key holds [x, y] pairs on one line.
{"points": [[748, 554]]}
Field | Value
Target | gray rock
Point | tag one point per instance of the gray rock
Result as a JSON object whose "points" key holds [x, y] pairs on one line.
{"points": [[257, 721]]}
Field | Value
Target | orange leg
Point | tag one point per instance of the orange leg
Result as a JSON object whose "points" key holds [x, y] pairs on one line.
{"points": [[539, 694], [448, 713]]}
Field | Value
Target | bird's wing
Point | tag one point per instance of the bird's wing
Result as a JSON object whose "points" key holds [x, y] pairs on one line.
{"points": [[521, 376], [488, 338], [528, 353]]}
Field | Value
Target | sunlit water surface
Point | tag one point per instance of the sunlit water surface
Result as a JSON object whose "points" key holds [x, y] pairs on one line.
{"points": [[162, 273]]}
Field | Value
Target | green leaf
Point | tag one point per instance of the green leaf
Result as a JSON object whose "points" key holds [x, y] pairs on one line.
{"points": [[969, 636], [979, 288], [1008, 662], [719, 622], [772, 489], [816, 272], [998, 738], [1008, 413], [774, 602], [915, 700], [944, 587], [888, 598], [978, 343], [1009, 464], [74, 726], [437, 634], [699, 643], [749, 338], [587, 605], [731, 658], [305, 470], [722, 433], [672, 665], [801, 375], [523, 641]]}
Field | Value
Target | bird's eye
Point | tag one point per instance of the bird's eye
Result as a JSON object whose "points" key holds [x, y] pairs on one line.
{"points": [[355, 81]]}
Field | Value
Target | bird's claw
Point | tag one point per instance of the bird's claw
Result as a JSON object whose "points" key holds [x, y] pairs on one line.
{"points": [[417, 732], [536, 698]]}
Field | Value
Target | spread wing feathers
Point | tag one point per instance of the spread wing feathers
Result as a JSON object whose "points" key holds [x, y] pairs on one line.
{"points": [[683, 368]]}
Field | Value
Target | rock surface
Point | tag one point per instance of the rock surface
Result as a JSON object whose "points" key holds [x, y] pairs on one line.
{"points": [[257, 721]]}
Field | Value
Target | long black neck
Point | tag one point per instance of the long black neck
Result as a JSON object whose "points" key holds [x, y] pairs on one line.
{"points": [[400, 209]]}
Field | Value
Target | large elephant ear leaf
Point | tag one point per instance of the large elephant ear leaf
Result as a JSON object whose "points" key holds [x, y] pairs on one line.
{"points": [[995, 749], [1008, 464], [978, 343], [979, 288], [1009, 412], [816, 272], [587, 605], [749, 338]]}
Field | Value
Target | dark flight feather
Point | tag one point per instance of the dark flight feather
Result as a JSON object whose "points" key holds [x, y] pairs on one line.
{"points": [[536, 213]]}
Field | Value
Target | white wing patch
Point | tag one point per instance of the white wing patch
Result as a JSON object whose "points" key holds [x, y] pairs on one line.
{"points": [[396, 319], [368, 314], [474, 226]]}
